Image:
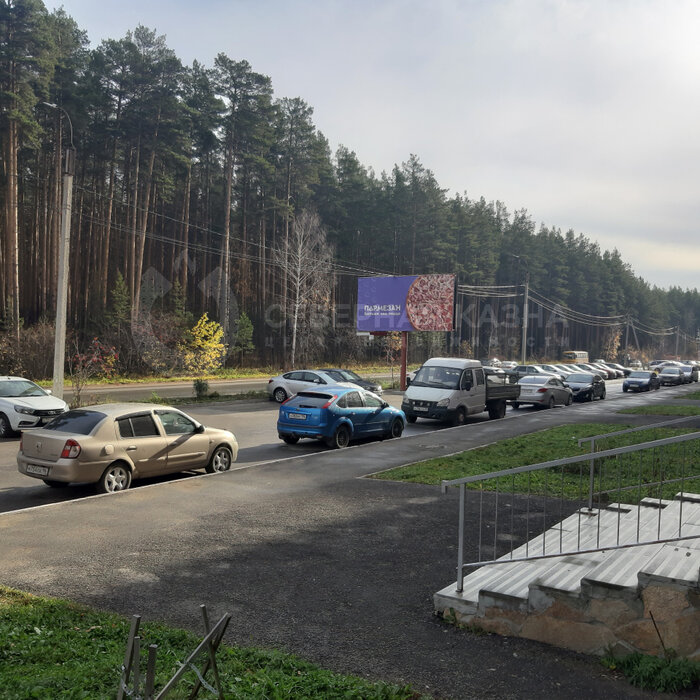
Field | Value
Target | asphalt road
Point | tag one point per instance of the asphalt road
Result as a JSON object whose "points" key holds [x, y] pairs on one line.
{"points": [[253, 423]]}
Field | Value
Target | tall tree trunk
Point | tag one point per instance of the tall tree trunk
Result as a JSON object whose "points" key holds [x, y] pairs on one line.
{"points": [[11, 228]]}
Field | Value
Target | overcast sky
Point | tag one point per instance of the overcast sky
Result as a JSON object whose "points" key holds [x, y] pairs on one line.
{"points": [[584, 112]]}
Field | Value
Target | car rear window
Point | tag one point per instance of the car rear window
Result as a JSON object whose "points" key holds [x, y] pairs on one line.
{"points": [[77, 421], [533, 380], [580, 377], [306, 399]]}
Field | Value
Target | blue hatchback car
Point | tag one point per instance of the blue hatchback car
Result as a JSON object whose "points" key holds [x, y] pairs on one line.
{"points": [[337, 415]]}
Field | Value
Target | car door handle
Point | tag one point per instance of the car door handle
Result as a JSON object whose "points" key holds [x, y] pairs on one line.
{"points": [[131, 448]]}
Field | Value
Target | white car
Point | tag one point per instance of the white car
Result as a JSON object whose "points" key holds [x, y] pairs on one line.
{"points": [[24, 404], [283, 386]]}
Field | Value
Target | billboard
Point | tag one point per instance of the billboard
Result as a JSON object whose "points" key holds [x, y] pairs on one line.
{"points": [[413, 303]]}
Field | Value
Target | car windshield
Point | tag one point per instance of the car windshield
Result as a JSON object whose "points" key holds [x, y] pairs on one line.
{"points": [[534, 380], [439, 377], [309, 399], [670, 370], [78, 421], [640, 375], [14, 388], [580, 378]]}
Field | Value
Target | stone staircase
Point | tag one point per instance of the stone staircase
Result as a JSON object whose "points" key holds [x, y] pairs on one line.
{"points": [[621, 600]]}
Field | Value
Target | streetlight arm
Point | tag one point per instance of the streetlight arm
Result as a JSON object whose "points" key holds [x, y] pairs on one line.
{"points": [[53, 105]]}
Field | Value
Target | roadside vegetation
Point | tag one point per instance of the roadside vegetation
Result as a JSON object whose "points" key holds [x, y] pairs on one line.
{"points": [[570, 482], [56, 649], [212, 397], [669, 674]]}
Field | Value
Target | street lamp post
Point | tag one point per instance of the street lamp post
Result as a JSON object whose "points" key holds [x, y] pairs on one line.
{"points": [[59, 352]]}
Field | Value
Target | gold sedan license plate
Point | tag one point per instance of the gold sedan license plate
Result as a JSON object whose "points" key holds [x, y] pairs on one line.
{"points": [[36, 469]]}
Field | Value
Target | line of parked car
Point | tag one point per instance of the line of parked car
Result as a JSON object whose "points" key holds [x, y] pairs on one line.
{"points": [[550, 385], [110, 444]]}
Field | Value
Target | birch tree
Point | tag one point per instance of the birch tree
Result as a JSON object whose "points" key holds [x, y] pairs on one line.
{"points": [[305, 263]]}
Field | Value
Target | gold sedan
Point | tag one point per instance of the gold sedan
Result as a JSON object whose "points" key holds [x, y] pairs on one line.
{"points": [[111, 444]]}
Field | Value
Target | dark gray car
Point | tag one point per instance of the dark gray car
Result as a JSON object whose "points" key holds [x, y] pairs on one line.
{"points": [[347, 375], [586, 386]]}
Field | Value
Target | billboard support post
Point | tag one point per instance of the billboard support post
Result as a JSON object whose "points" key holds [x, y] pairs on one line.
{"points": [[404, 355]]}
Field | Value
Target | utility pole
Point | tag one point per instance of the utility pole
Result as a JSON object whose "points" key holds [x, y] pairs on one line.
{"points": [[59, 353], [523, 342], [525, 312]]}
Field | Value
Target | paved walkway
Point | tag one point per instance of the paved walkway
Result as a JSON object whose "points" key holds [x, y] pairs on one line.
{"points": [[308, 558]]}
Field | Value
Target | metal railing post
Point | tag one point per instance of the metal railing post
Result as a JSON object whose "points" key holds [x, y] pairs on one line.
{"points": [[460, 546], [591, 477]]}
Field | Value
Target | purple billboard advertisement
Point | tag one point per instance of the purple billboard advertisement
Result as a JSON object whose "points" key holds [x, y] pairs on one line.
{"points": [[415, 303]]}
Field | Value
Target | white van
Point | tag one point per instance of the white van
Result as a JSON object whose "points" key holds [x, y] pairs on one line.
{"points": [[450, 389]]}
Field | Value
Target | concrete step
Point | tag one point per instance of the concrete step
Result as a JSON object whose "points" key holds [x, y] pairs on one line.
{"points": [[674, 564]]}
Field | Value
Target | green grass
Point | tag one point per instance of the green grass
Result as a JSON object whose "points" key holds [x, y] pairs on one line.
{"points": [[56, 649], [570, 481], [214, 397], [695, 396], [662, 410], [225, 373], [665, 675]]}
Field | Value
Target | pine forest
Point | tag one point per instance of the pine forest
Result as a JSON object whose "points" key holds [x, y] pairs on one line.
{"points": [[197, 190]]}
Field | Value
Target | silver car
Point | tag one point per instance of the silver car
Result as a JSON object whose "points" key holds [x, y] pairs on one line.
{"points": [[111, 444], [545, 391], [283, 386]]}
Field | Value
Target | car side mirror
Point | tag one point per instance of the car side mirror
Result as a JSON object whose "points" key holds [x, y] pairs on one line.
{"points": [[48, 391], [385, 404], [199, 429]]}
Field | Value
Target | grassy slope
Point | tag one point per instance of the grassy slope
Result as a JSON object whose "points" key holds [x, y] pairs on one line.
{"points": [[56, 649]]}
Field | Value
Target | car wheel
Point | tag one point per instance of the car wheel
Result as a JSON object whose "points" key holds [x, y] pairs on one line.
{"points": [[55, 484], [569, 399], [624, 389], [280, 395], [411, 419], [460, 418], [340, 439], [290, 439], [5, 427], [589, 397], [220, 461], [515, 404], [602, 396], [551, 402], [117, 477], [396, 428]]}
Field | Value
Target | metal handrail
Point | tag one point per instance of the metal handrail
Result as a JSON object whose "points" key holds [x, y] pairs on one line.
{"points": [[591, 457]]}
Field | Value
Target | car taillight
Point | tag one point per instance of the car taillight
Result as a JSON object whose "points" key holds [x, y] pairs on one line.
{"points": [[70, 450], [20, 442], [543, 390], [269, 381], [329, 402]]}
